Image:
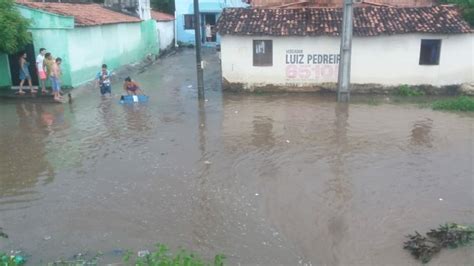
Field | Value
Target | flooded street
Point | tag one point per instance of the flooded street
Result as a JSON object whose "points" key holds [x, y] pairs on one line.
{"points": [[272, 179]]}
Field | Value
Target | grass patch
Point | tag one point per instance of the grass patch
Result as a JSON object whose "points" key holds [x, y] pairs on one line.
{"points": [[462, 103], [407, 91], [162, 256]]}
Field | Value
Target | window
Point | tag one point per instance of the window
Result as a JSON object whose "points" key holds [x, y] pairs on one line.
{"points": [[262, 53], [189, 22], [429, 53]]}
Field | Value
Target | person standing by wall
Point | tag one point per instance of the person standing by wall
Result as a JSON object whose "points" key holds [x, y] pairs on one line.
{"points": [[41, 69], [56, 79], [25, 74]]}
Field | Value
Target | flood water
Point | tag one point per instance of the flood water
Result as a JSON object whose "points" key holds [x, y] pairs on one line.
{"points": [[283, 179]]}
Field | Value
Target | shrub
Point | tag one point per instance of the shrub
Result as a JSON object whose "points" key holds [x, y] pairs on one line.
{"points": [[407, 91], [162, 256], [463, 103]]}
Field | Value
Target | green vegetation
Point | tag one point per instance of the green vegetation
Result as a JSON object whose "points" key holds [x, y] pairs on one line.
{"points": [[162, 256], [13, 260], [462, 103], [407, 91], [467, 8], [13, 28], [80, 259], [446, 236]]}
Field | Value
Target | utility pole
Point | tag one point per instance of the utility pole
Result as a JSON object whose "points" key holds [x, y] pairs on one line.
{"points": [[344, 77], [197, 35]]}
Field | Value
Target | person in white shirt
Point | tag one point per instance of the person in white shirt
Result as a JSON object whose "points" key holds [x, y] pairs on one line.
{"points": [[41, 69], [208, 32]]}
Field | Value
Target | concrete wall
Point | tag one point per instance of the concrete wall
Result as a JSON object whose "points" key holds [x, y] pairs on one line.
{"points": [[114, 45], [165, 33], [5, 79], [386, 60], [85, 49]]}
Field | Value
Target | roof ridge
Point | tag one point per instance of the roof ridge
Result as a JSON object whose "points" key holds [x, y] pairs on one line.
{"points": [[369, 21]]}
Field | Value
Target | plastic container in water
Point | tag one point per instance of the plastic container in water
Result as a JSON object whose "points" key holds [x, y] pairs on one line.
{"points": [[124, 99]]}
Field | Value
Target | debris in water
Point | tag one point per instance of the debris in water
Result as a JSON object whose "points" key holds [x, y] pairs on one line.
{"points": [[2, 234], [47, 238], [190, 86], [206, 100], [287, 141], [440, 199], [207, 162], [143, 253], [236, 112], [446, 236], [256, 194]]}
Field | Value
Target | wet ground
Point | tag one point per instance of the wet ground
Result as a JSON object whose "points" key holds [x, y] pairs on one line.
{"points": [[265, 179]]}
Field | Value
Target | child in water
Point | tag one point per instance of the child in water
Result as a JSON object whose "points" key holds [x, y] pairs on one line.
{"points": [[131, 87], [103, 81]]}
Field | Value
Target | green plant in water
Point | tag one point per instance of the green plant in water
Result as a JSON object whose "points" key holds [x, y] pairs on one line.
{"points": [[407, 91], [162, 256], [12, 260], [446, 236], [462, 103]]}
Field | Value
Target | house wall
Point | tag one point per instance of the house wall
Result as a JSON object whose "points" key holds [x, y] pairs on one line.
{"points": [[186, 7], [385, 60], [114, 45], [5, 80], [165, 33], [85, 49], [46, 28]]}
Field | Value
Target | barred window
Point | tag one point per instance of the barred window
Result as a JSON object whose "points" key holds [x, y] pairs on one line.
{"points": [[262, 53]]}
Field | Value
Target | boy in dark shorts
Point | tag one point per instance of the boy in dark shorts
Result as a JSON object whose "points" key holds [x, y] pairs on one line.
{"points": [[103, 81]]}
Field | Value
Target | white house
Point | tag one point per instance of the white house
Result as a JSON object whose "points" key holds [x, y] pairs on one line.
{"points": [[298, 49], [165, 25]]}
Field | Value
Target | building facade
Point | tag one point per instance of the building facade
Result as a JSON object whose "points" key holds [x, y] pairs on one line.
{"points": [[387, 49], [85, 36], [210, 11], [166, 29]]}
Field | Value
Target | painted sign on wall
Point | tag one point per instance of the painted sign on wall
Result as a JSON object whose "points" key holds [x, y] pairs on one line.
{"points": [[311, 66]]}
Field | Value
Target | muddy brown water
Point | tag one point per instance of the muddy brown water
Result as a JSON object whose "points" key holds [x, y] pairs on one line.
{"points": [[268, 179]]}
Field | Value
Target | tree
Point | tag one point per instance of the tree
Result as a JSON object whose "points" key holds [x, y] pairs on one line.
{"points": [[466, 7], [166, 6], [13, 28]]}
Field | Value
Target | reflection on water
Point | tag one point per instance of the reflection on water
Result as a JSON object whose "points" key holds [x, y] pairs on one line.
{"points": [[332, 175], [266, 180], [23, 163]]}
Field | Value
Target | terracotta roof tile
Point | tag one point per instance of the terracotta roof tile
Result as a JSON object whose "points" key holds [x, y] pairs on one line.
{"points": [[160, 16], [368, 21], [84, 14]]}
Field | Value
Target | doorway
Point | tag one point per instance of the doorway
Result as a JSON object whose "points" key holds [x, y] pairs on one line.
{"points": [[14, 62], [211, 19]]}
